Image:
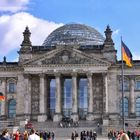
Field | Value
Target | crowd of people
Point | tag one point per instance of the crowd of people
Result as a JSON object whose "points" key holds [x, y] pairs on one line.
{"points": [[67, 122], [32, 135], [121, 135], [84, 135]]}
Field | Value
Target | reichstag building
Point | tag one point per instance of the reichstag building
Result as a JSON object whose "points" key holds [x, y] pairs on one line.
{"points": [[74, 73]]}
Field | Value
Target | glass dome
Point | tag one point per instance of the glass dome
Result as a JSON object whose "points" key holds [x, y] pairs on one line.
{"points": [[74, 34]]}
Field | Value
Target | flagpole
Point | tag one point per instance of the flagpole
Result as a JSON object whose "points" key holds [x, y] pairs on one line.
{"points": [[122, 78]]}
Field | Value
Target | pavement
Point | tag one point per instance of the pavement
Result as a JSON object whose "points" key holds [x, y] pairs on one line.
{"points": [[66, 138]]}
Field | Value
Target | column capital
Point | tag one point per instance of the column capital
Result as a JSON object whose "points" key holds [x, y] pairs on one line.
{"points": [[57, 74], [132, 77], [27, 76], [104, 74], [89, 74], [74, 74], [42, 75], [3, 78]]}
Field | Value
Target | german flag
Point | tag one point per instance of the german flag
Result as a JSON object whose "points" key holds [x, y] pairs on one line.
{"points": [[2, 97], [126, 54]]}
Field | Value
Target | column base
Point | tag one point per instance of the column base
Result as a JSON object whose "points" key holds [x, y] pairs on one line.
{"points": [[105, 122], [132, 115], [3, 117], [26, 117], [75, 117], [89, 116], [42, 118], [57, 117]]}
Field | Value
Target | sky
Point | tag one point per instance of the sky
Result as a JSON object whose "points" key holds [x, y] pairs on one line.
{"points": [[44, 16]]}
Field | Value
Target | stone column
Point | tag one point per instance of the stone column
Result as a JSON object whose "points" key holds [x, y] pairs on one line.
{"points": [[105, 94], [90, 97], [4, 104], [27, 96], [58, 115], [20, 90], [105, 101], [132, 97], [42, 99], [74, 98]]}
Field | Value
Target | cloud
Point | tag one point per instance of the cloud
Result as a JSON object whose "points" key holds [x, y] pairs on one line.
{"points": [[116, 32], [13, 5], [136, 56], [12, 27]]}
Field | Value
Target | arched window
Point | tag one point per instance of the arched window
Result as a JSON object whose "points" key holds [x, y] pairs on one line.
{"points": [[12, 108], [137, 83], [125, 84], [126, 107], [138, 107], [11, 86]]}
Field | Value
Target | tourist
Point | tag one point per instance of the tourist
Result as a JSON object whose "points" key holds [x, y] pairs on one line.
{"points": [[91, 135], [5, 135], [113, 134], [25, 135], [33, 135], [124, 136], [53, 136], [49, 136], [45, 135], [94, 135], [72, 136], [76, 135], [109, 135], [41, 135], [16, 135]]}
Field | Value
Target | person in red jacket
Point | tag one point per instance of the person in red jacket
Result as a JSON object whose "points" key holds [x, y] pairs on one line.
{"points": [[16, 135]]}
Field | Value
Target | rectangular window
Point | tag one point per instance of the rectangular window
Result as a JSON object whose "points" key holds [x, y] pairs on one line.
{"points": [[11, 87], [137, 86]]}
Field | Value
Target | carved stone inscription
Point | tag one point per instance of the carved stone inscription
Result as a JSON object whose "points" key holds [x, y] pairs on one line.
{"points": [[35, 95], [97, 93]]}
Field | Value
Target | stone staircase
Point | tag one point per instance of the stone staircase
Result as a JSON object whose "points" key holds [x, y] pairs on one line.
{"points": [[11, 125], [66, 132], [51, 126]]}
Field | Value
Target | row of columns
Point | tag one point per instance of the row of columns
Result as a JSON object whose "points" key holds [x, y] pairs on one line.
{"points": [[42, 97], [42, 106], [42, 101], [74, 115], [58, 115]]}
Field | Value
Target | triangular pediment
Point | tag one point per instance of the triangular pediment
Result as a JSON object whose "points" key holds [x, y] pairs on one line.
{"points": [[66, 56]]}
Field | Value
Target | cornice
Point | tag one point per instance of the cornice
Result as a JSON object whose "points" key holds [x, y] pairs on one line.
{"points": [[7, 69], [65, 65]]}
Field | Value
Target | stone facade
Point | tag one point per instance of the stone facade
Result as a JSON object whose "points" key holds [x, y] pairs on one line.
{"points": [[96, 62]]}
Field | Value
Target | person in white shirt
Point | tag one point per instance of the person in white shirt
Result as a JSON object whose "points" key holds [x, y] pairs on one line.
{"points": [[124, 136], [33, 135]]}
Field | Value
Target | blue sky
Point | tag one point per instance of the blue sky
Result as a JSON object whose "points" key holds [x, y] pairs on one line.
{"points": [[43, 16]]}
